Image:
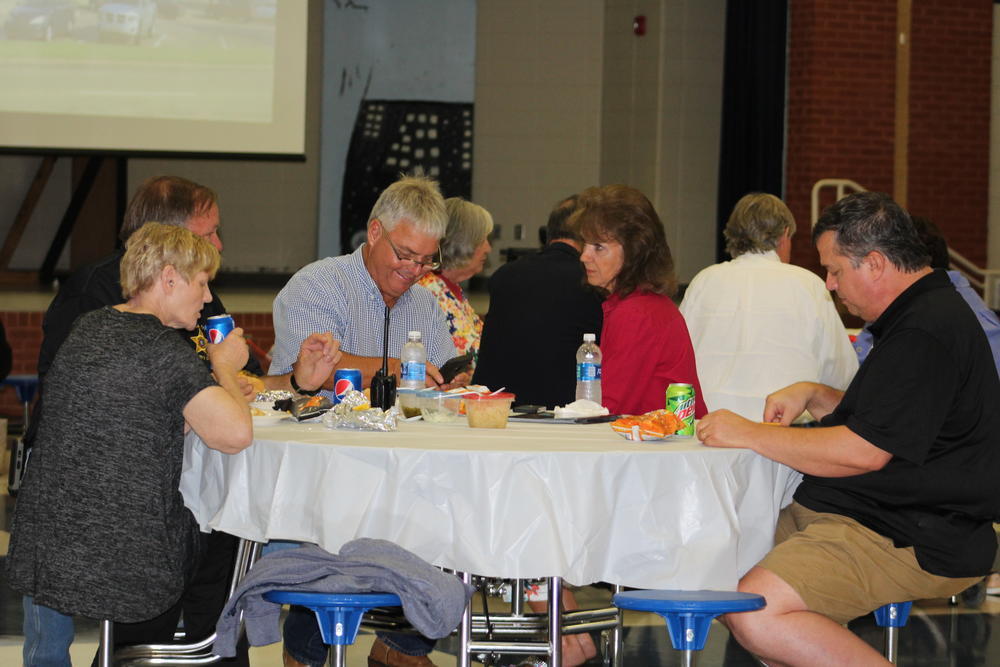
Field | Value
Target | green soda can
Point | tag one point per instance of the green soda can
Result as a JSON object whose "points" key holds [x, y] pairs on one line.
{"points": [[680, 401]]}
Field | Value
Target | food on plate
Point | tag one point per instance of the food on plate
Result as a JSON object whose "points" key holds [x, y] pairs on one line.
{"points": [[257, 412], [648, 426]]}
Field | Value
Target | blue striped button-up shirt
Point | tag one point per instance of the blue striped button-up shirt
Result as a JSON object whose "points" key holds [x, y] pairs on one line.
{"points": [[337, 294]]}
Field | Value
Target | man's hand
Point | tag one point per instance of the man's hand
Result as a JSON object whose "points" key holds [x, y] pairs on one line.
{"points": [[785, 405], [723, 428], [433, 377], [460, 380], [436, 380], [232, 353], [319, 354]]}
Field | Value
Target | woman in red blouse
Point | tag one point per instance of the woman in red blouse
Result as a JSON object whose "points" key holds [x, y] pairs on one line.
{"points": [[644, 340]]}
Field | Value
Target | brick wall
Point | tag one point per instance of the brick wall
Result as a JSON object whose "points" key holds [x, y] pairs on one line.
{"points": [[841, 110], [841, 80], [950, 120], [24, 332]]}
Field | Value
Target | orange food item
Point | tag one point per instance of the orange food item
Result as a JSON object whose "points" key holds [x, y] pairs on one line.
{"points": [[657, 424]]}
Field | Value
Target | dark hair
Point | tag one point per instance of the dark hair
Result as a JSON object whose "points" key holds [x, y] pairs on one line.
{"points": [[171, 200], [934, 240], [871, 221], [556, 228], [623, 214]]}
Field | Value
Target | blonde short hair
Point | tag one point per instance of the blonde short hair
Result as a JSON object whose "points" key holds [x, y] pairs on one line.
{"points": [[757, 223], [468, 226], [154, 247]]}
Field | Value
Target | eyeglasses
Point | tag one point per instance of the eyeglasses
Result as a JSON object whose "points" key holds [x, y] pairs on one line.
{"points": [[430, 264]]}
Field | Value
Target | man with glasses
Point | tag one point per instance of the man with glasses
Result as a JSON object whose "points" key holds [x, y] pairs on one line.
{"points": [[348, 295]]}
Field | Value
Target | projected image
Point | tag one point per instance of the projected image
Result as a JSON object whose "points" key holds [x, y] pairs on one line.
{"points": [[203, 60]]}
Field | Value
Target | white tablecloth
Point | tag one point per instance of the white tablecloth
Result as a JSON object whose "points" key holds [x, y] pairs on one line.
{"points": [[531, 500]]}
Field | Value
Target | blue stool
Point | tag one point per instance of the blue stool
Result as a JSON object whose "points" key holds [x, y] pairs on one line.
{"points": [[25, 386], [892, 617], [338, 614], [688, 614]]}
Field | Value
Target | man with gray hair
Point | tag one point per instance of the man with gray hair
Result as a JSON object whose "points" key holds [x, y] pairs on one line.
{"points": [[898, 495], [758, 323], [348, 295]]}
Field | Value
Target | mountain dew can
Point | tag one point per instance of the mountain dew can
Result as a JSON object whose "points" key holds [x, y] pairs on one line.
{"points": [[680, 401]]}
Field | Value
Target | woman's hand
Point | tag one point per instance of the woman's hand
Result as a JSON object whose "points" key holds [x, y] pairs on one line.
{"points": [[232, 353]]}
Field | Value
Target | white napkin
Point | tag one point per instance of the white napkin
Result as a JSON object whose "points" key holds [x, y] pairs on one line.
{"points": [[580, 408]]}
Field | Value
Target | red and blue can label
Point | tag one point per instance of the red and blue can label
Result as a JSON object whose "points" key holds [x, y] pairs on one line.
{"points": [[345, 380], [218, 327]]}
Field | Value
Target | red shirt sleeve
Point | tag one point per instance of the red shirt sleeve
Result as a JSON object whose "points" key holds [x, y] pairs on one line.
{"points": [[645, 347]]}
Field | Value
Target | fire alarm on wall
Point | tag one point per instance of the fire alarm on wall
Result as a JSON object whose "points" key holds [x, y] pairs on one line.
{"points": [[639, 25]]}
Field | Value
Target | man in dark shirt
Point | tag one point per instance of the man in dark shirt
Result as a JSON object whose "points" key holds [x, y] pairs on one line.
{"points": [[539, 311], [899, 488]]}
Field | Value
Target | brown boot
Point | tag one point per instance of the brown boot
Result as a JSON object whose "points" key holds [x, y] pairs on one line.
{"points": [[289, 661], [383, 655]]}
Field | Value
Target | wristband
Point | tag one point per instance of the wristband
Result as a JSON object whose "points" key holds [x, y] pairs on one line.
{"points": [[299, 390]]}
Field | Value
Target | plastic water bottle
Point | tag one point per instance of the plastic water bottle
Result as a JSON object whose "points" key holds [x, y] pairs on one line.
{"points": [[588, 370], [414, 362]]}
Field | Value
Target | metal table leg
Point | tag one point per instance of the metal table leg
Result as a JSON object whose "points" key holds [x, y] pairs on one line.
{"points": [[555, 621], [465, 629]]}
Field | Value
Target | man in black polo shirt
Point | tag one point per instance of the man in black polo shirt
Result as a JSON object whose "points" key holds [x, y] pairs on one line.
{"points": [[900, 485]]}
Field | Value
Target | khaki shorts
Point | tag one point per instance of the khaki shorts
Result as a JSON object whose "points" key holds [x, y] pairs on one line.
{"points": [[843, 570]]}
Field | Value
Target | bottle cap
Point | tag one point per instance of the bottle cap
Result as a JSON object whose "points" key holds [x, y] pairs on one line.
{"points": [[413, 335], [589, 338]]}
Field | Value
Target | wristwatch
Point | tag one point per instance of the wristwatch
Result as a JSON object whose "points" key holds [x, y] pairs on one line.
{"points": [[299, 390]]}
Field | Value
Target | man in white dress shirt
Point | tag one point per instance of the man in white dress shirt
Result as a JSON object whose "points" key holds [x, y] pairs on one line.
{"points": [[758, 323]]}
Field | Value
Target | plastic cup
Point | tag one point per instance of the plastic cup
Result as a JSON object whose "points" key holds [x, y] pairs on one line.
{"points": [[488, 410]]}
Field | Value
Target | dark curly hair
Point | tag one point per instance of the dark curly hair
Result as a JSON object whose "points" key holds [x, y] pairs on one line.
{"points": [[622, 214]]}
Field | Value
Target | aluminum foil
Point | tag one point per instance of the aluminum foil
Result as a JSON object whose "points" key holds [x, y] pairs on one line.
{"points": [[272, 395], [354, 412]]}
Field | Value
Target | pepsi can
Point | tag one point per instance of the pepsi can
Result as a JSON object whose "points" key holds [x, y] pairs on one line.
{"points": [[218, 327], [345, 380]]}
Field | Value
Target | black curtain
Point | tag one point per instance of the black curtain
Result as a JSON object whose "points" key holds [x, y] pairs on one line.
{"points": [[751, 155]]}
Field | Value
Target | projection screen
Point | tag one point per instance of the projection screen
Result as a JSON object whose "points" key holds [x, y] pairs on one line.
{"points": [[147, 77]]}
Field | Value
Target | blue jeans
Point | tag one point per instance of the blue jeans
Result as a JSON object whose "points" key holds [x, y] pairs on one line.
{"points": [[304, 643], [47, 635]]}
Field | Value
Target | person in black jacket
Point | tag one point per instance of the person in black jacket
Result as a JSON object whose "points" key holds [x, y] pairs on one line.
{"points": [[539, 310]]}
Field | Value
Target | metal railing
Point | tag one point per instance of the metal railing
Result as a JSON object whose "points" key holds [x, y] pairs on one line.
{"points": [[986, 281]]}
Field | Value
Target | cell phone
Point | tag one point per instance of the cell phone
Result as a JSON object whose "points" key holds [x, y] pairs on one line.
{"points": [[454, 366]]}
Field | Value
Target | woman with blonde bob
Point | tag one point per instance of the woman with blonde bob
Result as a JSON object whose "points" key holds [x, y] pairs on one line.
{"points": [[100, 529], [644, 340], [464, 250]]}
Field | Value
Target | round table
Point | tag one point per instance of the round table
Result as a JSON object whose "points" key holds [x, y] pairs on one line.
{"points": [[532, 500]]}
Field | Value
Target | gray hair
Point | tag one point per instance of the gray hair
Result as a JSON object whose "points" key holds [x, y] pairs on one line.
{"points": [[468, 226], [758, 222], [864, 222], [414, 198]]}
